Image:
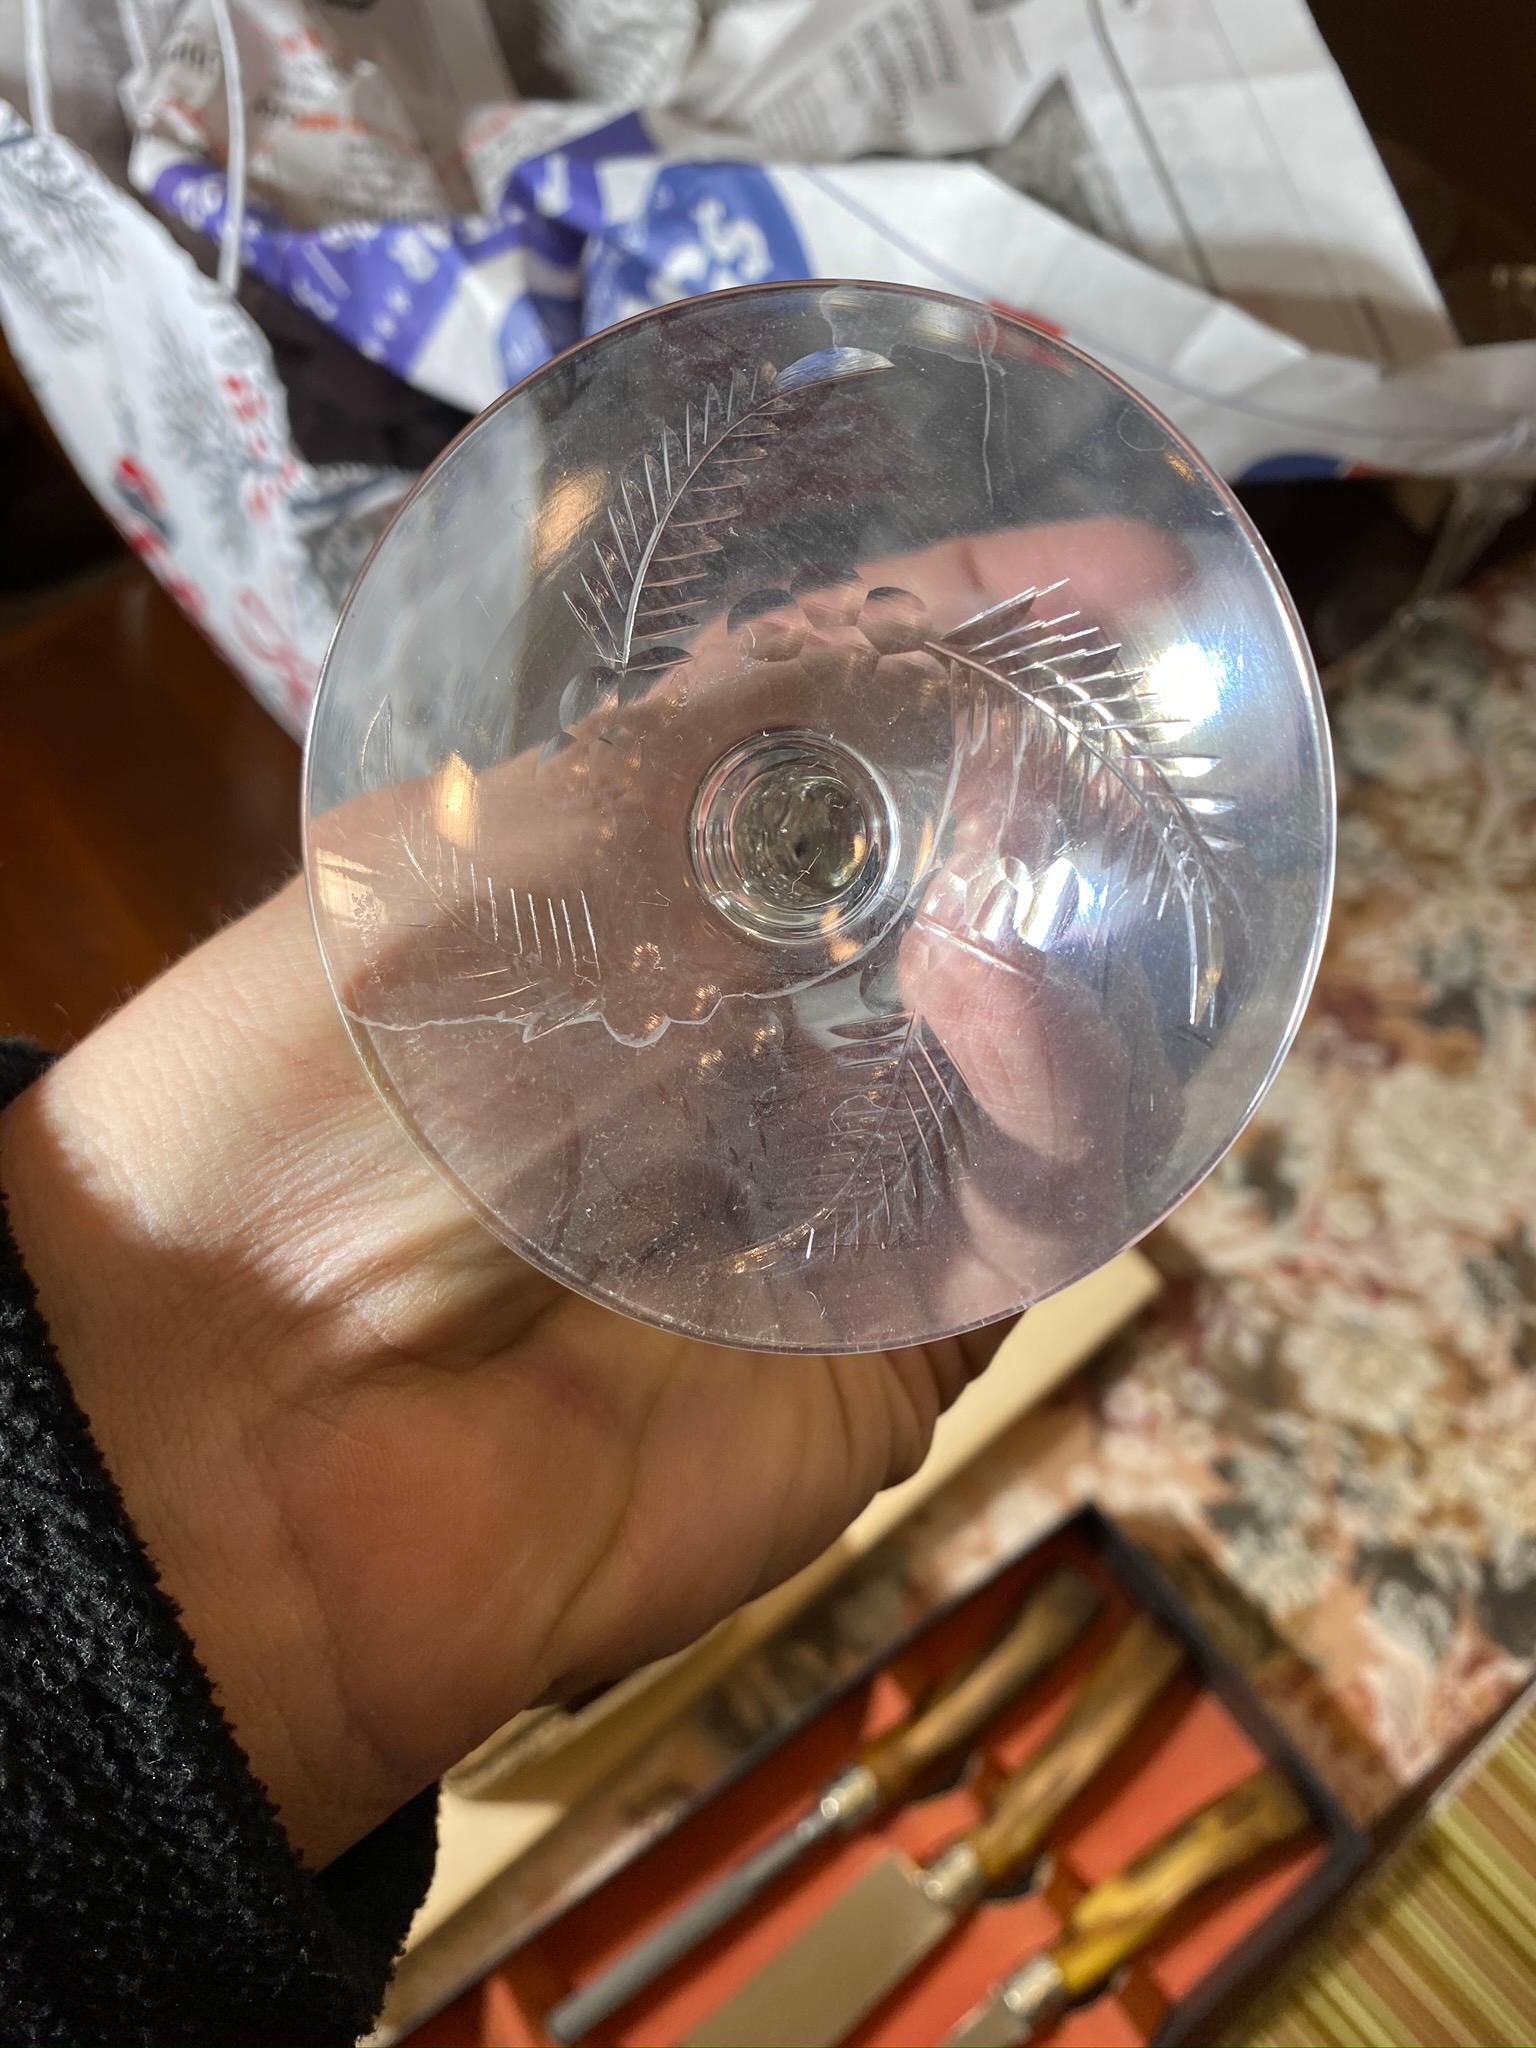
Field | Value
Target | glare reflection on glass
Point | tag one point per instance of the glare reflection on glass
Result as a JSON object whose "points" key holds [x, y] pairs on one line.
{"points": [[568, 505], [344, 888], [1184, 683], [456, 802], [1054, 906]]}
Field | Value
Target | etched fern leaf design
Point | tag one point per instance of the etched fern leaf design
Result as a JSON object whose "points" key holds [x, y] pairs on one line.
{"points": [[1104, 745], [891, 1145], [539, 955], [521, 956], [656, 556], [1101, 754]]}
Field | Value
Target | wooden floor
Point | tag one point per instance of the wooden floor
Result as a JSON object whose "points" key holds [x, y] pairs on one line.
{"points": [[144, 799]]}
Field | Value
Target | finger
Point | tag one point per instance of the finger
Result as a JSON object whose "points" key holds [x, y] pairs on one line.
{"points": [[1034, 1050], [510, 857], [1110, 570], [549, 892], [1106, 568]]}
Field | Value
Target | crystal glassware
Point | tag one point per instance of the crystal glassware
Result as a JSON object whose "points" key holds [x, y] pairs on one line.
{"points": [[819, 816]]}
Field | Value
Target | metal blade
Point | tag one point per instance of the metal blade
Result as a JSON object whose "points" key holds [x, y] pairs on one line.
{"points": [[823, 1984], [575, 2017], [1015, 2011], [989, 2025]]}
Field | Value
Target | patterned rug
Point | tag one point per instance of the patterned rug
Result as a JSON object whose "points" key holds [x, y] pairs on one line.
{"points": [[1339, 1399]]}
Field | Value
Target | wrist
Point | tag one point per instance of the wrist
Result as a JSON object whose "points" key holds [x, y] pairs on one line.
{"points": [[142, 1190]]}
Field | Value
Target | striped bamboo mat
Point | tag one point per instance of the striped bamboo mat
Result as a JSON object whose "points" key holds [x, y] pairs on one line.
{"points": [[1440, 1949]]}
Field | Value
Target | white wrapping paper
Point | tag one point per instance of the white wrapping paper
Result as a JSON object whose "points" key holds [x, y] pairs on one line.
{"points": [[1182, 188]]}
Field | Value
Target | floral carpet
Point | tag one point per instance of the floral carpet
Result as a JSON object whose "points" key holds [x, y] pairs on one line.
{"points": [[1338, 1396]]}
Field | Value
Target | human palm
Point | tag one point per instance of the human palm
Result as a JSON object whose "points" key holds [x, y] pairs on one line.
{"points": [[399, 1483]]}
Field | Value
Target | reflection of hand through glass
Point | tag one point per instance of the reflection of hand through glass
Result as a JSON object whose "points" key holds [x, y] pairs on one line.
{"points": [[913, 1058], [808, 940]]}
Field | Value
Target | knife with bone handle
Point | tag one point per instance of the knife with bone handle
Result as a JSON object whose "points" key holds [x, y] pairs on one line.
{"points": [[1052, 1619], [817, 1990], [1117, 1919]]}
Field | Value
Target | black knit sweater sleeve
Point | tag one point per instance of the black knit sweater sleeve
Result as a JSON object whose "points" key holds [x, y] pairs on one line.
{"points": [[147, 1894]]}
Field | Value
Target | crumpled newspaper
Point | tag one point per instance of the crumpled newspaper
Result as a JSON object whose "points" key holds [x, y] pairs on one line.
{"points": [[1183, 188]]}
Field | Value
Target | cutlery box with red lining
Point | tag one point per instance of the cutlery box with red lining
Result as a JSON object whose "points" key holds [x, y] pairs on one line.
{"points": [[1205, 1734]]}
